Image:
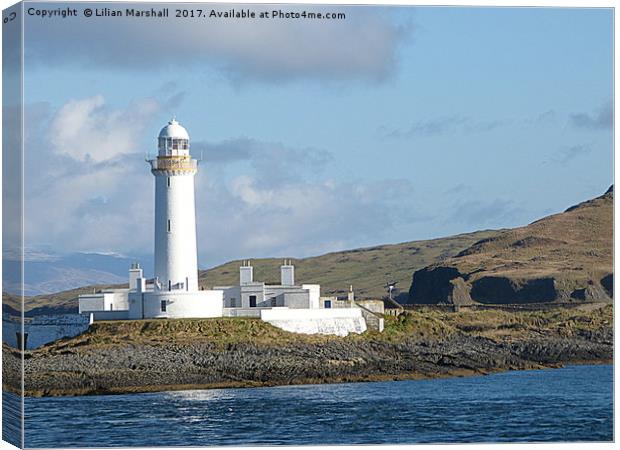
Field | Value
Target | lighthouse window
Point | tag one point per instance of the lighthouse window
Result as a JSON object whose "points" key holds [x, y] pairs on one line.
{"points": [[163, 306], [168, 181], [168, 225]]}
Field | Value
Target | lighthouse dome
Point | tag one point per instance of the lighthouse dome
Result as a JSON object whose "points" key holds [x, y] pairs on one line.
{"points": [[173, 140], [174, 130]]}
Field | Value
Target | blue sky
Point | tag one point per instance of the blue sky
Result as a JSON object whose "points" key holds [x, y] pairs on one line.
{"points": [[395, 124]]}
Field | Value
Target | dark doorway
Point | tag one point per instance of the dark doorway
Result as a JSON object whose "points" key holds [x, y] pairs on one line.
{"points": [[252, 301]]}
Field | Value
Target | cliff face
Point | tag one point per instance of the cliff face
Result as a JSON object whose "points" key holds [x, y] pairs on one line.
{"points": [[566, 257]]}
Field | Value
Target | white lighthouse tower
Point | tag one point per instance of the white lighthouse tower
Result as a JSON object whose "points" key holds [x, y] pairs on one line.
{"points": [[176, 265], [174, 291]]}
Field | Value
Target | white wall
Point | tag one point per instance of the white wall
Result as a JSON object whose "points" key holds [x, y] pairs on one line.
{"points": [[232, 295], [112, 300], [315, 294], [176, 257], [91, 302], [256, 289], [135, 305], [199, 304], [120, 301], [134, 274], [237, 312], [246, 274], [376, 306], [287, 275], [339, 322]]}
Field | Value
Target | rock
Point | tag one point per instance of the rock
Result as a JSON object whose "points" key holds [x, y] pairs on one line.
{"points": [[499, 290], [433, 285], [608, 281], [564, 257], [578, 294]]}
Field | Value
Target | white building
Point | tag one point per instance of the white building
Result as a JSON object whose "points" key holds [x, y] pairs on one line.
{"points": [[250, 297], [174, 290]]}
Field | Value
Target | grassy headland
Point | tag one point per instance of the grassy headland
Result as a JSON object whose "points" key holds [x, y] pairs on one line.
{"points": [[156, 355]]}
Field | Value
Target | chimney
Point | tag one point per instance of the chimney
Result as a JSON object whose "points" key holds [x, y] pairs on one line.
{"points": [[246, 273], [287, 274], [351, 294], [141, 285], [135, 272]]}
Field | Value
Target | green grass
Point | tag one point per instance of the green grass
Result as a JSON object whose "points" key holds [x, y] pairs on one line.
{"points": [[424, 324]]}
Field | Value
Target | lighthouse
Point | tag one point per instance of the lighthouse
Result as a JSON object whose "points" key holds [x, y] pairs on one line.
{"points": [[173, 292], [176, 262]]}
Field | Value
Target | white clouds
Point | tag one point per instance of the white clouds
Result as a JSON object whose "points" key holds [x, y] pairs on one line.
{"points": [[86, 130], [243, 187], [363, 46], [81, 165], [247, 218], [254, 198]]}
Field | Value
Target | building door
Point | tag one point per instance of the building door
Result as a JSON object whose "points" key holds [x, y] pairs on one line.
{"points": [[252, 301], [328, 304]]}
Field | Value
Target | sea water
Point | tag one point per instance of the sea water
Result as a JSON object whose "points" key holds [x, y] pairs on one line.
{"points": [[574, 403]]}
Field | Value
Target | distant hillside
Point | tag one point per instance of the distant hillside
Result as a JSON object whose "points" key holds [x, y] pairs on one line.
{"points": [[367, 269], [57, 303], [49, 273], [565, 257]]}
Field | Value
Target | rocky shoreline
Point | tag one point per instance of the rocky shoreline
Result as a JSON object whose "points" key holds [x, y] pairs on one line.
{"points": [[113, 360]]}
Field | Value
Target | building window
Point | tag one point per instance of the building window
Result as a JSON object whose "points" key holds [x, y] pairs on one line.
{"points": [[328, 304], [163, 306], [168, 225], [252, 301], [168, 181]]}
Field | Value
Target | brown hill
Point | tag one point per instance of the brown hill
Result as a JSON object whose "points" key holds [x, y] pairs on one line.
{"points": [[565, 257], [367, 269]]}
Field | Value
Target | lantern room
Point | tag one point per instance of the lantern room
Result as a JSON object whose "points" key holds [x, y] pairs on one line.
{"points": [[173, 140]]}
